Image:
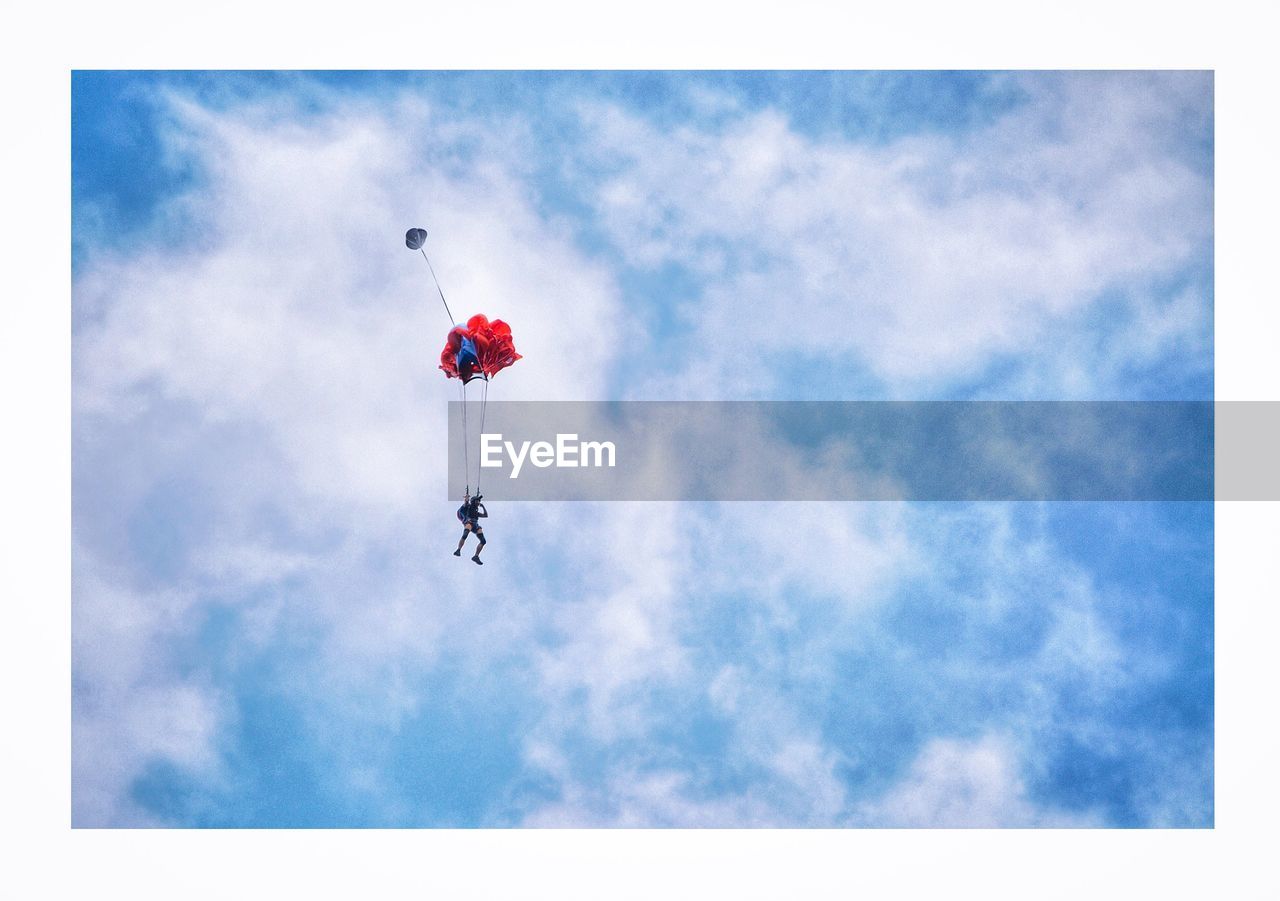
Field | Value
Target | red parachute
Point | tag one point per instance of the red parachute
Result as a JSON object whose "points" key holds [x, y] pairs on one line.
{"points": [[480, 349]]}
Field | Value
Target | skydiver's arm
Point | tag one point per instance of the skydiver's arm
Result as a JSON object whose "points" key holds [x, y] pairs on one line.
{"points": [[481, 512]]}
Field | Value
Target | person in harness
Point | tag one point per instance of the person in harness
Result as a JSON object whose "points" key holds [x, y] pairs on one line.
{"points": [[468, 514]]}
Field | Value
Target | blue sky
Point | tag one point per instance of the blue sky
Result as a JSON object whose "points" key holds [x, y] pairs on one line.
{"points": [[268, 629]]}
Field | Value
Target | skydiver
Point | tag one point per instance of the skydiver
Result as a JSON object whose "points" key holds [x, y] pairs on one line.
{"points": [[471, 511]]}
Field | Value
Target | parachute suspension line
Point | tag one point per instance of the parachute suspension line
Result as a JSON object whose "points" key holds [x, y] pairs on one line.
{"points": [[466, 464], [484, 404], [452, 321]]}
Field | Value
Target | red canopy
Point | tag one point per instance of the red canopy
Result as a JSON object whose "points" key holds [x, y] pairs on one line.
{"points": [[480, 347]]}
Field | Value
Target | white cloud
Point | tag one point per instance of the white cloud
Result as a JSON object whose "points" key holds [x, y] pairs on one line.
{"points": [[286, 361], [965, 784], [134, 704], [929, 257], [301, 311]]}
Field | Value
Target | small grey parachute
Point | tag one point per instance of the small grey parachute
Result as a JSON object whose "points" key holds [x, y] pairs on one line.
{"points": [[414, 238]]}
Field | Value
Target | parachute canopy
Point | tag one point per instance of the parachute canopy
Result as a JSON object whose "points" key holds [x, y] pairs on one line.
{"points": [[479, 349], [414, 238]]}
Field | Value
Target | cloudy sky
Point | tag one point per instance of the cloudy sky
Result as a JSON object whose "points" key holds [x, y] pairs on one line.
{"points": [[269, 628]]}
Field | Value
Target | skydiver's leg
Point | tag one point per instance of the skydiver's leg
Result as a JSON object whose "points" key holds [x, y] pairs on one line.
{"points": [[480, 535], [461, 541]]}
